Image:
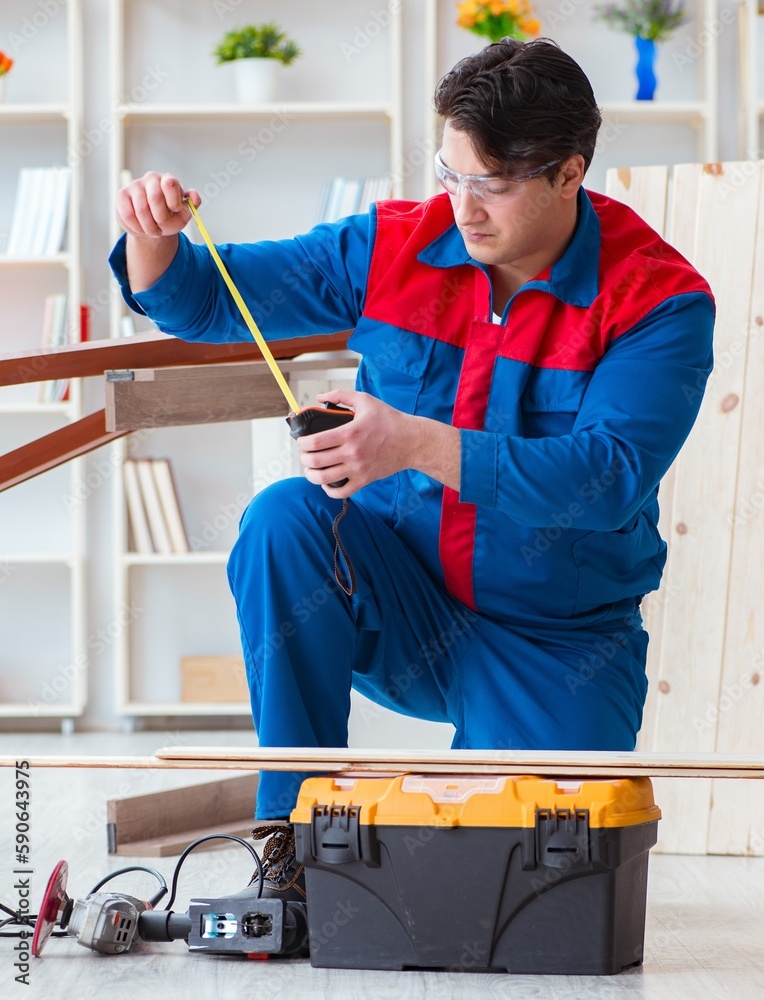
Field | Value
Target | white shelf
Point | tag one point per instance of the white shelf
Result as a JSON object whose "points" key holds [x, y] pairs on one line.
{"points": [[62, 259], [25, 283], [21, 710], [39, 114], [245, 112], [690, 112], [211, 558], [41, 558], [185, 708], [38, 409]]}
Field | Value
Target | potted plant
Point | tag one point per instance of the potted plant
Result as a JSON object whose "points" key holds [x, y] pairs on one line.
{"points": [[649, 22], [497, 19], [6, 63], [257, 53]]}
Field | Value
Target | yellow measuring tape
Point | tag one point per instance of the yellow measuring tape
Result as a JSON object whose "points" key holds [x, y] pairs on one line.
{"points": [[247, 315]]}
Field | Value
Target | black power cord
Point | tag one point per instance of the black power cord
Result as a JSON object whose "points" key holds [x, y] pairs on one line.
{"points": [[28, 920]]}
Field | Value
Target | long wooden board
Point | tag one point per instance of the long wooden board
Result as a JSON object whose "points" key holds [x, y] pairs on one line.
{"points": [[595, 763]]}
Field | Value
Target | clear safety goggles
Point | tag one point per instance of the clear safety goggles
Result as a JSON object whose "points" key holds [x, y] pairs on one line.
{"points": [[489, 188]]}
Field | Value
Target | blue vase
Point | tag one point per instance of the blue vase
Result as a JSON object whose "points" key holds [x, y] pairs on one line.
{"points": [[646, 80]]}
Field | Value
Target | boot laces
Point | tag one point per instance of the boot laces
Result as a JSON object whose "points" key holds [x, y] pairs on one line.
{"points": [[279, 850]]}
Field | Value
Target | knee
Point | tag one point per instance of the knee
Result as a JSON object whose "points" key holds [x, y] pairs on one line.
{"points": [[278, 504]]}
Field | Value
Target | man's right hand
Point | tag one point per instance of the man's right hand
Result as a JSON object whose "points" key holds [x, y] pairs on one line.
{"points": [[152, 211], [153, 206]]}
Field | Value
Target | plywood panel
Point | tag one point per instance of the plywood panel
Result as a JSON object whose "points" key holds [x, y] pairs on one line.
{"points": [[645, 189], [737, 815], [692, 639]]}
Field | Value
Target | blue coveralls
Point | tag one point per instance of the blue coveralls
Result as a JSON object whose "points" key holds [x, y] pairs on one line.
{"points": [[510, 609]]}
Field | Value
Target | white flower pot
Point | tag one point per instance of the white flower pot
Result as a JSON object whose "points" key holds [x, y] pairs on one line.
{"points": [[256, 80]]}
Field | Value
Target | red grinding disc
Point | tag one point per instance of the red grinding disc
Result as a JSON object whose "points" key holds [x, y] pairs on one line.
{"points": [[53, 900]]}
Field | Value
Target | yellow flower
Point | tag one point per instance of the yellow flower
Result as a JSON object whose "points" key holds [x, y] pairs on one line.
{"points": [[496, 7]]}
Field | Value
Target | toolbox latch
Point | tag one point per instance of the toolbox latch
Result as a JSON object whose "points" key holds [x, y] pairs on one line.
{"points": [[335, 835], [562, 837]]}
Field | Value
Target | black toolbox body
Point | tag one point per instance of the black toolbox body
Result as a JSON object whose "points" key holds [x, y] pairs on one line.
{"points": [[525, 875]]}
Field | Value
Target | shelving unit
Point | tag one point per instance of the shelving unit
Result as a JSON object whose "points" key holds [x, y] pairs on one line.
{"points": [[44, 655], [192, 128], [751, 32], [693, 104]]}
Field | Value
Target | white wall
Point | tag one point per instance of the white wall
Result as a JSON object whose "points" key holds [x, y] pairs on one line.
{"points": [[247, 208]]}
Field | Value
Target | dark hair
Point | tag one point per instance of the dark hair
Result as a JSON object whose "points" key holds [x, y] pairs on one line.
{"points": [[523, 104]]}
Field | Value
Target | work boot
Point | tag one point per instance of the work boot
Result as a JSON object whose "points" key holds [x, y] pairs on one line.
{"points": [[283, 875]]}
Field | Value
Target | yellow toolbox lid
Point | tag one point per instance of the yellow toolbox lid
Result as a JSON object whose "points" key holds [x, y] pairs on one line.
{"points": [[501, 800]]}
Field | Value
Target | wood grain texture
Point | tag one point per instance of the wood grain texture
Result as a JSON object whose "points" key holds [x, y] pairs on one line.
{"points": [[646, 190], [737, 816], [177, 396], [54, 449], [158, 824], [692, 639], [594, 763], [146, 350]]}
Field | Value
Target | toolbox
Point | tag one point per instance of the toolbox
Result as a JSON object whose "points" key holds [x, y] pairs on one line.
{"points": [[489, 873]]}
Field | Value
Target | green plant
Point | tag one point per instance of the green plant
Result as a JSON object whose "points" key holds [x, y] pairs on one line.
{"points": [[263, 41], [650, 19]]}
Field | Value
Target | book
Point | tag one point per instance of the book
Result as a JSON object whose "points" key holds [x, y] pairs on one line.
{"points": [[136, 512], [55, 331], [59, 211], [169, 501], [19, 236], [40, 211], [345, 196], [160, 536]]}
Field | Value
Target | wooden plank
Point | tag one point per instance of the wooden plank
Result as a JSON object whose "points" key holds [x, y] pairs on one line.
{"points": [[171, 397], [76, 438], [737, 817], [163, 823], [146, 350], [645, 189], [681, 228], [594, 763], [692, 640]]}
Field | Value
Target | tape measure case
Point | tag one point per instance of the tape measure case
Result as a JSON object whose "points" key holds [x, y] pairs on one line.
{"points": [[491, 873]]}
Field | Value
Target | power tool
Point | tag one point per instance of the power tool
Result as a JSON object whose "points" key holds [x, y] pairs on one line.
{"points": [[111, 923]]}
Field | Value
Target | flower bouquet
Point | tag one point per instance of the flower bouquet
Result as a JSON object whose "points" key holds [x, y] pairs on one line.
{"points": [[497, 19]]}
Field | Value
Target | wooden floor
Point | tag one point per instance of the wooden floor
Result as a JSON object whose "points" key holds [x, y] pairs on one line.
{"points": [[704, 938]]}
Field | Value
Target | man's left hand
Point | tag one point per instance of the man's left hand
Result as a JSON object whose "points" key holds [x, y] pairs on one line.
{"points": [[378, 442]]}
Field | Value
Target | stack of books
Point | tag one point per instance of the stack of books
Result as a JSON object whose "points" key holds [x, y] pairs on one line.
{"points": [[156, 524], [57, 331], [38, 222], [344, 196]]}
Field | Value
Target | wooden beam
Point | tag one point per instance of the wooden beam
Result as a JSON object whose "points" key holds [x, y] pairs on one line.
{"points": [[54, 449], [164, 823], [146, 350], [562, 763], [169, 397]]}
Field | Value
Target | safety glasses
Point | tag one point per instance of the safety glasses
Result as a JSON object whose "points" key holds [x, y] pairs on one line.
{"points": [[489, 188]]}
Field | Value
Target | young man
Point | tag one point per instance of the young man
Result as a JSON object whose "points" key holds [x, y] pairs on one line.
{"points": [[526, 348]]}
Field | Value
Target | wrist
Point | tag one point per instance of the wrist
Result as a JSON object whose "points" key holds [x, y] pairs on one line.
{"points": [[434, 448]]}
